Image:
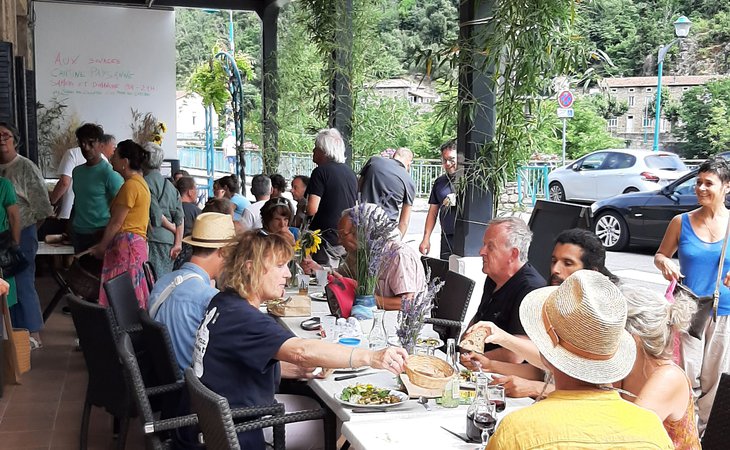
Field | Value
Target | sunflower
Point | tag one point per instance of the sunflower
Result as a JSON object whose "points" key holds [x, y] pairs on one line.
{"points": [[309, 241]]}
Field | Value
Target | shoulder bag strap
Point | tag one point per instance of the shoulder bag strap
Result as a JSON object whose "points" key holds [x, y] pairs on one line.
{"points": [[178, 280], [716, 294]]}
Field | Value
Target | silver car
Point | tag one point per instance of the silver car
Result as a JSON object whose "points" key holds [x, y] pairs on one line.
{"points": [[610, 172]]}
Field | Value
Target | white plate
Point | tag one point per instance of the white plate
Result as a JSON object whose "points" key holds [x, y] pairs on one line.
{"points": [[318, 296], [403, 397], [439, 343]]}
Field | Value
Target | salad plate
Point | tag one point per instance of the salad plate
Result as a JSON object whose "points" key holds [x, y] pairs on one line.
{"points": [[318, 296], [369, 396]]}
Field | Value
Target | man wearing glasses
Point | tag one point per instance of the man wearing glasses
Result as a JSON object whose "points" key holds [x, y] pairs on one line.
{"points": [[442, 203]]}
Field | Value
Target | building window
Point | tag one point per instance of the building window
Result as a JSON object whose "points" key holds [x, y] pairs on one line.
{"points": [[685, 89], [631, 89], [632, 100], [614, 90], [649, 89], [194, 124], [646, 123], [613, 122]]}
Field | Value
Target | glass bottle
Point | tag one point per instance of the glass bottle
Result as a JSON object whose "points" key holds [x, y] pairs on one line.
{"points": [[483, 409], [451, 396], [378, 338]]}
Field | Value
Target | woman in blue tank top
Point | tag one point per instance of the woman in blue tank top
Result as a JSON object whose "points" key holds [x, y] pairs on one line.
{"points": [[697, 238]]}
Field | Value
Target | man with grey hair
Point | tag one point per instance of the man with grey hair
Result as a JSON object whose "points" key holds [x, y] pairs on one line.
{"points": [[386, 182], [509, 278], [332, 188], [261, 190]]}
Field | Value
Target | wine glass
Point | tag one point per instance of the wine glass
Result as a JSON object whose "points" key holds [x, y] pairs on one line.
{"points": [[496, 395], [485, 420]]}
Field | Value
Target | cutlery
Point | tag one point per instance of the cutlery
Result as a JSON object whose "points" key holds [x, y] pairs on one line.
{"points": [[368, 410], [455, 434], [424, 401], [354, 375]]}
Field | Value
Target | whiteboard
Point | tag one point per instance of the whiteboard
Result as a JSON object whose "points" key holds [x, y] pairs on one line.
{"points": [[106, 60]]}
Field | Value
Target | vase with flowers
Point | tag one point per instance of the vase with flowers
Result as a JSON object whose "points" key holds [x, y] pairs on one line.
{"points": [[374, 231], [414, 311], [308, 243]]}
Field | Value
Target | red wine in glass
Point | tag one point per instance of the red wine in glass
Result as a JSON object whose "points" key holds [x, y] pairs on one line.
{"points": [[499, 405], [474, 426]]}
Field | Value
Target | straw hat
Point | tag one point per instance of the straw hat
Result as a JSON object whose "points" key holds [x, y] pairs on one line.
{"points": [[212, 230], [579, 327]]}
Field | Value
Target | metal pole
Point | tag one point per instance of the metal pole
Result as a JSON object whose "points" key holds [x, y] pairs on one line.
{"points": [[658, 106], [209, 150], [565, 121], [231, 42]]}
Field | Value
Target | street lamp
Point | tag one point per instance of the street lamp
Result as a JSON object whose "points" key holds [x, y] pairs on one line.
{"points": [[681, 29]]}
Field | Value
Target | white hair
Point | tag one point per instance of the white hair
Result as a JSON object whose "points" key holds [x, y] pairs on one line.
{"points": [[330, 141], [157, 155], [519, 235]]}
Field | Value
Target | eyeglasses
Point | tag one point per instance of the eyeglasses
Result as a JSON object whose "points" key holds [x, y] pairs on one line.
{"points": [[5, 136], [263, 232]]}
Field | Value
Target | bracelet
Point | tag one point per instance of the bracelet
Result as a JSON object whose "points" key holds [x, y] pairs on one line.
{"points": [[351, 352]]}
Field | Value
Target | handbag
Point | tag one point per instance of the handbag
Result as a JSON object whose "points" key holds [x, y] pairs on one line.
{"points": [[16, 347], [706, 304], [12, 260], [340, 295]]}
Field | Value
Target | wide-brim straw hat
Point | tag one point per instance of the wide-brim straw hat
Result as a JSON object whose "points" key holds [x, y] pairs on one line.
{"points": [[212, 230], [579, 327]]}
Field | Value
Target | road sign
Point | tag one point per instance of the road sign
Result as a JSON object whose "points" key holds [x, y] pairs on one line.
{"points": [[565, 113], [565, 99]]}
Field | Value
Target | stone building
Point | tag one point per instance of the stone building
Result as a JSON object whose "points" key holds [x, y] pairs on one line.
{"points": [[636, 126]]}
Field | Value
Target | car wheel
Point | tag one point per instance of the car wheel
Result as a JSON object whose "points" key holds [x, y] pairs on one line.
{"points": [[612, 230], [630, 189], [557, 193]]}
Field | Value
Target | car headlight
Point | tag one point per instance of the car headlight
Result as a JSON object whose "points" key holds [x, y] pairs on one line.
{"points": [[594, 207]]}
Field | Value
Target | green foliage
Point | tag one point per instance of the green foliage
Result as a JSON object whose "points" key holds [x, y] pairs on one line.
{"points": [[210, 81], [608, 106], [705, 116]]}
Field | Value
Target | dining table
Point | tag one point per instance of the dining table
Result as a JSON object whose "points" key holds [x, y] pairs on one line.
{"points": [[406, 425]]}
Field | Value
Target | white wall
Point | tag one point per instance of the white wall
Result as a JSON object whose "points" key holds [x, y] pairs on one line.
{"points": [[102, 61]]}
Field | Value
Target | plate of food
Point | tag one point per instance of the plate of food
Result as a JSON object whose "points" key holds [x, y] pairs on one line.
{"points": [[369, 396], [351, 370], [318, 296], [467, 379], [430, 342]]}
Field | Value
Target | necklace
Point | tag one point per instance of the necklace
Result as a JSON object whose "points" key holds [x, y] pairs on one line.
{"points": [[709, 229]]}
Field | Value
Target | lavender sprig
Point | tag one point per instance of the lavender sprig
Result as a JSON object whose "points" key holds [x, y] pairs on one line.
{"points": [[374, 231], [413, 312]]}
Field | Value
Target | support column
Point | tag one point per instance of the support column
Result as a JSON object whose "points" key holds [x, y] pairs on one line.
{"points": [[24, 46], [270, 97], [8, 22], [474, 130], [341, 88]]}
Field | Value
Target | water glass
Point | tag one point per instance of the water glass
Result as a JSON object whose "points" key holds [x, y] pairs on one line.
{"points": [[321, 275], [496, 395], [303, 280], [423, 349], [328, 327]]}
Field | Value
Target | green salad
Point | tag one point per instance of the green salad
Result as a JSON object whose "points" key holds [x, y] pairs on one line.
{"points": [[367, 394]]}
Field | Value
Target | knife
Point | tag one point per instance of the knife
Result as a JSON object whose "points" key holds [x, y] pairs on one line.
{"points": [[369, 410], [455, 434], [354, 375]]}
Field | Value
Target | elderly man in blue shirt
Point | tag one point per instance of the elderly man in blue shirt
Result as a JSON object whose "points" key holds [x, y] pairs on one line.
{"points": [[180, 298]]}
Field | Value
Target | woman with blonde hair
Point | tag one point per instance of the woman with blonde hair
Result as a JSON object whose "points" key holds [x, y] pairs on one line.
{"points": [[241, 353], [658, 383]]}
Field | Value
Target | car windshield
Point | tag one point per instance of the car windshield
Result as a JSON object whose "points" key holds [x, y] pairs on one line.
{"points": [[664, 162]]}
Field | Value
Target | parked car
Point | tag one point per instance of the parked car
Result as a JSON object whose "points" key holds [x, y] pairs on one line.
{"points": [[641, 218], [610, 172]]}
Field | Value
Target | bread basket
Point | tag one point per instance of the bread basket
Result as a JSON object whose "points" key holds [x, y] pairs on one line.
{"points": [[428, 372]]}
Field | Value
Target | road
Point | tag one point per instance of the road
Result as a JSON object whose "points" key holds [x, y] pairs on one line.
{"points": [[635, 266]]}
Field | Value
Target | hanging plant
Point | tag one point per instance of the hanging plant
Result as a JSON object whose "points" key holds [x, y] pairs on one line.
{"points": [[210, 81]]}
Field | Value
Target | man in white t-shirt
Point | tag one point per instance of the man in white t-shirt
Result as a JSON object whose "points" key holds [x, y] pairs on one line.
{"points": [[261, 189], [229, 149]]}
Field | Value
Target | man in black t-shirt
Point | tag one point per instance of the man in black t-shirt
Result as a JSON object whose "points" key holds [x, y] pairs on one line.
{"points": [[332, 189], [509, 278], [442, 204]]}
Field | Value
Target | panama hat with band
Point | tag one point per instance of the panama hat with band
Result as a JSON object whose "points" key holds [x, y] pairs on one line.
{"points": [[212, 230], [579, 327]]}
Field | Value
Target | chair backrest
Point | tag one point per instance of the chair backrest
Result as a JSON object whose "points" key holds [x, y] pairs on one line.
{"points": [[123, 301], [214, 415], [439, 267], [454, 297], [95, 328], [133, 377], [149, 275], [718, 423], [158, 346]]}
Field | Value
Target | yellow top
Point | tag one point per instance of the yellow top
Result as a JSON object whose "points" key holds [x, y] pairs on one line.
{"points": [[135, 195], [581, 419]]}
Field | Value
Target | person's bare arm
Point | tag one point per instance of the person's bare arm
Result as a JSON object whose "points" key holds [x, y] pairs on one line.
{"points": [[64, 182], [118, 214], [520, 345], [14, 221], [473, 360], [425, 246], [404, 219], [667, 249], [168, 225], [315, 353], [517, 387], [392, 303], [312, 204], [502, 354], [177, 245]]}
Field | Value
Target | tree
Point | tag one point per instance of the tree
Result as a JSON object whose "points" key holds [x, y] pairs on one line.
{"points": [[705, 119]]}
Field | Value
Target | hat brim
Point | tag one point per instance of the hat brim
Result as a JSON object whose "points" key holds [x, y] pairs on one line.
{"points": [[592, 371], [189, 240]]}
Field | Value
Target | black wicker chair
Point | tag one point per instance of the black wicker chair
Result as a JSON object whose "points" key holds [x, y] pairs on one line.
{"points": [[163, 368], [124, 304], [216, 419], [439, 267], [156, 431], [718, 423], [106, 387], [452, 303], [149, 275]]}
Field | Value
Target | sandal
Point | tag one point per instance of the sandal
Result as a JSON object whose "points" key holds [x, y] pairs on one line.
{"points": [[34, 343]]}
